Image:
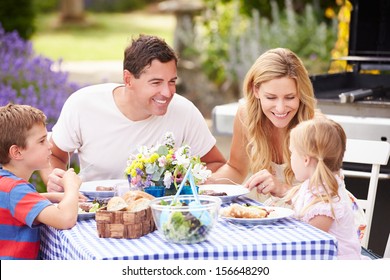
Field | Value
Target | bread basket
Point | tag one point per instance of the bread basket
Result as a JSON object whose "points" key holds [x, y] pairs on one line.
{"points": [[124, 224]]}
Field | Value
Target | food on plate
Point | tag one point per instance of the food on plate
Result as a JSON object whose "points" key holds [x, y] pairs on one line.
{"points": [[116, 203], [236, 210], [212, 193], [104, 189], [89, 207]]}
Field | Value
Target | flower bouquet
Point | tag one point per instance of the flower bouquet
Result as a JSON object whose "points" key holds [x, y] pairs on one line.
{"points": [[163, 164]]}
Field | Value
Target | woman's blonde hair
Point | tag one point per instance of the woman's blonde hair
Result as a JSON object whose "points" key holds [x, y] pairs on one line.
{"points": [[323, 140], [274, 64]]}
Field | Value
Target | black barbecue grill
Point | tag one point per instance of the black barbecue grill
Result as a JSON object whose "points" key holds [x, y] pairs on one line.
{"points": [[359, 96], [354, 93]]}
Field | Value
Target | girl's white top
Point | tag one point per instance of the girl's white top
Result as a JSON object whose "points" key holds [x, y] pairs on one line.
{"points": [[343, 226]]}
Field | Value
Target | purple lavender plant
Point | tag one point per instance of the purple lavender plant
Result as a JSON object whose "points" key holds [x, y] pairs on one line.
{"points": [[27, 78]]}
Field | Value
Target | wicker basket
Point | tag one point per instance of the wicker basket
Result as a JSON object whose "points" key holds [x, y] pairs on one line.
{"points": [[124, 224]]}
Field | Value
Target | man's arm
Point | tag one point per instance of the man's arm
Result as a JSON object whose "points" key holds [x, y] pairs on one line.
{"points": [[214, 159]]}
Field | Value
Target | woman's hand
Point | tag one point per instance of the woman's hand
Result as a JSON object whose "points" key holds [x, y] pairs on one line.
{"points": [[265, 183]]}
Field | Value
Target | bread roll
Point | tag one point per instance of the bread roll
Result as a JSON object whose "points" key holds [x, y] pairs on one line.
{"points": [[138, 205], [116, 203], [131, 196]]}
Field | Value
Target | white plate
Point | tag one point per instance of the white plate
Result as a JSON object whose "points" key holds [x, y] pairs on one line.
{"points": [[85, 216], [89, 188], [277, 214], [232, 191]]}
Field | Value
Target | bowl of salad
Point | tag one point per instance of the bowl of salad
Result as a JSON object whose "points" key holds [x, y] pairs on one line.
{"points": [[186, 219]]}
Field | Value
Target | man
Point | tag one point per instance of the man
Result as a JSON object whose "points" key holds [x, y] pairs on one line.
{"points": [[105, 123]]}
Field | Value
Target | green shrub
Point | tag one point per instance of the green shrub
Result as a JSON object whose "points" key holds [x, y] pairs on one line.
{"points": [[230, 41], [114, 5], [265, 7], [18, 16], [46, 6]]}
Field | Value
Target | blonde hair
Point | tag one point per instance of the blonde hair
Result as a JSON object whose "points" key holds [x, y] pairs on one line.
{"points": [[15, 122], [325, 141], [274, 64]]}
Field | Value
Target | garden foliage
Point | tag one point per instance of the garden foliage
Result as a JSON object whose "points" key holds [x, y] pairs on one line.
{"points": [[27, 78], [229, 41], [18, 15]]}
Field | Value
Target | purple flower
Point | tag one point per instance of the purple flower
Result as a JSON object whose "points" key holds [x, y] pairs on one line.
{"points": [[27, 78], [139, 172]]}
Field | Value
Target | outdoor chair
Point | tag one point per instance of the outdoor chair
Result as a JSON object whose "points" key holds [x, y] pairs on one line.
{"points": [[374, 153]]}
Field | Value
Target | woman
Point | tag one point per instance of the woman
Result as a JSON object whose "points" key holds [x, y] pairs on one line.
{"points": [[278, 95]]}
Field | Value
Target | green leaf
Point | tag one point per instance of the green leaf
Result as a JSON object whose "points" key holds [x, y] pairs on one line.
{"points": [[162, 150]]}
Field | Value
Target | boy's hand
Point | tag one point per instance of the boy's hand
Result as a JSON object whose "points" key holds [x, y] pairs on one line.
{"points": [[54, 183], [71, 180]]}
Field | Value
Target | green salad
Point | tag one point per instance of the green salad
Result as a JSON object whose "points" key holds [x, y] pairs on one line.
{"points": [[187, 226]]}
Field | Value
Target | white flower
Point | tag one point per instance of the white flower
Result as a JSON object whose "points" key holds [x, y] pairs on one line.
{"points": [[144, 151], [168, 179], [183, 157], [169, 140], [200, 172]]}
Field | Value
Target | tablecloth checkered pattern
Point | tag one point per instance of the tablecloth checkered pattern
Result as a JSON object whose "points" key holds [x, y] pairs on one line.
{"points": [[286, 239]]}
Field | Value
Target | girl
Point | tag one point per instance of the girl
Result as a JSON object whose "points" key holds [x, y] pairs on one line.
{"points": [[317, 149]]}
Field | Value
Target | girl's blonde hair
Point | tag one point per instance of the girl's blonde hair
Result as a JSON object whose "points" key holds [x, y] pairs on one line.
{"points": [[274, 64], [323, 140]]}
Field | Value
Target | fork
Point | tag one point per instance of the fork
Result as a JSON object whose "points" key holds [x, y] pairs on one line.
{"points": [[227, 179]]}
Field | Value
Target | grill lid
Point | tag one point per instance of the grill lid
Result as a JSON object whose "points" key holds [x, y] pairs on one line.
{"points": [[370, 28], [369, 35]]}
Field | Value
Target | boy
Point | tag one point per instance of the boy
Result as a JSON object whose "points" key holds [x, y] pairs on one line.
{"points": [[24, 148]]}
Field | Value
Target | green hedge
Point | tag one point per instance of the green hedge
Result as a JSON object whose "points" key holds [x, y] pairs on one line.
{"points": [[18, 15]]}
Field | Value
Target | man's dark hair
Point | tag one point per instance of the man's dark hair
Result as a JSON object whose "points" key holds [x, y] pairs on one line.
{"points": [[143, 51]]}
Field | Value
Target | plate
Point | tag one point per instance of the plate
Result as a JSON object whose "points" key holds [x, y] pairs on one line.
{"points": [[232, 191], [89, 188], [85, 216], [277, 214]]}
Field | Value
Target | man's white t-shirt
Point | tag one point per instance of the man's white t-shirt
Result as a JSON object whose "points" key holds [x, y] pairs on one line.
{"points": [[91, 123]]}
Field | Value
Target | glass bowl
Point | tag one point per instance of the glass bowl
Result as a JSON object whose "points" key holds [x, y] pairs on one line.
{"points": [[186, 221]]}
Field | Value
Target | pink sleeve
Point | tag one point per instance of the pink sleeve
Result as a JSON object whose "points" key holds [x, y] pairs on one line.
{"points": [[324, 209]]}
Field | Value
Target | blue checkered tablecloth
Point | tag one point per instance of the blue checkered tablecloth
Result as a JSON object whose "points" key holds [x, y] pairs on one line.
{"points": [[286, 239]]}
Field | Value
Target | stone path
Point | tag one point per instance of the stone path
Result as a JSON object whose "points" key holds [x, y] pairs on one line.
{"points": [[93, 72]]}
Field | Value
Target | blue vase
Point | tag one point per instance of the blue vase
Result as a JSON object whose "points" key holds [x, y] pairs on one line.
{"points": [[185, 190], [156, 191], [188, 190]]}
